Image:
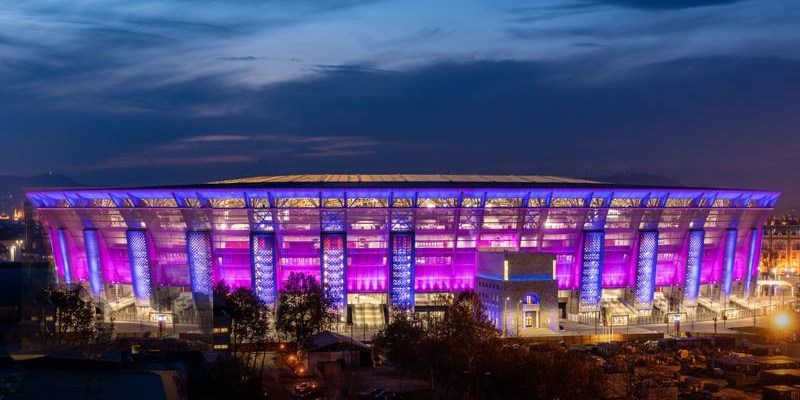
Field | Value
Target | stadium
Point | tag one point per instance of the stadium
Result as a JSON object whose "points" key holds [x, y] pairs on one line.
{"points": [[382, 242]]}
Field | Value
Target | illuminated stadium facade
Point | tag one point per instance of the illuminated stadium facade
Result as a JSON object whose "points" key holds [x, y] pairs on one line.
{"points": [[389, 241]]}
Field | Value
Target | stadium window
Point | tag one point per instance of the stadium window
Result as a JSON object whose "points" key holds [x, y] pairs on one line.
{"points": [[333, 202], [192, 202], [503, 202], [679, 202], [368, 202], [159, 202], [402, 202], [259, 202], [566, 202], [431, 202], [231, 202], [597, 202], [722, 203], [624, 202], [102, 203], [297, 202], [471, 202], [537, 202]]}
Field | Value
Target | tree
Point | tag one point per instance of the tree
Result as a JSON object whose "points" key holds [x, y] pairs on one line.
{"points": [[464, 354], [250, 320], [74, 314], [304, 309], [402, 340], [250, 317]]}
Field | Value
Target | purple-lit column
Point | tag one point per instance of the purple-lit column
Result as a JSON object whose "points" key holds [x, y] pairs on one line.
{"points": [[591, 271], [198, 250], [752, 259], [694, 261], [333, 269], [401, 281], [63, 251], [139, 257], [728, 262], [646, 270], [92, 245], [262, 266]]}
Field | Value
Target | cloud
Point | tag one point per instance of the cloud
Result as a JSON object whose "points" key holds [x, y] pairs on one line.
{"points": [[169, 161], [240, 58], [665, 4], [214, 138], [78, 55]]}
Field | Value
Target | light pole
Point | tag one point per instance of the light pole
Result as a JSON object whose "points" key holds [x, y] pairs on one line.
{"points": [[505, 317], [18, 252]]}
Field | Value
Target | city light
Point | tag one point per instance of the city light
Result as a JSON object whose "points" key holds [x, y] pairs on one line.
{"points": [[782, 320]]}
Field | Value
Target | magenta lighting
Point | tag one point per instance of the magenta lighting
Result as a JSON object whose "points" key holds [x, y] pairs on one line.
{"points": [[401, 236]]}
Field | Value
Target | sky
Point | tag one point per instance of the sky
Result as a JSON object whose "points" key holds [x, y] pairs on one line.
{"points": [[113, 92]]}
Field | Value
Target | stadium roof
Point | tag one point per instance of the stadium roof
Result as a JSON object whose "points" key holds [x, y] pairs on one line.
{"points": [[400, 179], [400, 185]]}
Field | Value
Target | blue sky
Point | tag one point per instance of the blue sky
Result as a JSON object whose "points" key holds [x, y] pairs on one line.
{"points": [[706, 92]]}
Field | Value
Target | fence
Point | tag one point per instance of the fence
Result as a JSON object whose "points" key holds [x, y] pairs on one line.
{"points": [[701, 315]]}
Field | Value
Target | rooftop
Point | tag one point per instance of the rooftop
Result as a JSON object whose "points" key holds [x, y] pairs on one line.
{"points": [[403, 178]]}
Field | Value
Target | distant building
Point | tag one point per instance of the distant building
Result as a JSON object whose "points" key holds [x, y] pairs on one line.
{"points": [[781, 247]]}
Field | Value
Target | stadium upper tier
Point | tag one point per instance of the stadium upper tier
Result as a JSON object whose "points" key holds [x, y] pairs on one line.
{"points": [[254, 230]]}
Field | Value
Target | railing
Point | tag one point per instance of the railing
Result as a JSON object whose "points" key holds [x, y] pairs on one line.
{"points": [[659, 318]]}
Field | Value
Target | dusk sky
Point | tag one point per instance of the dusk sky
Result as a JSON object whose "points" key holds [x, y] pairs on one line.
{"points": [[113, 92]]}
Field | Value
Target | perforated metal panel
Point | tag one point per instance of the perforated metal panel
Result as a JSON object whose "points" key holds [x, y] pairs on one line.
{"points": [[591, 271], [646, 269], [262, 261], [401, 290], [198, 248], [139, 257], [694, 261], [333, 268]]}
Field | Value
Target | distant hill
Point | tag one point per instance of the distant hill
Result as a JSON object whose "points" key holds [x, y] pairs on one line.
{"points": [[10, 184], [635, 178]]}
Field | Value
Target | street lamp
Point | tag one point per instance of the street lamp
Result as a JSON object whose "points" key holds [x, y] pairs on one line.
{"points": [[782, 322], [505, 317]]}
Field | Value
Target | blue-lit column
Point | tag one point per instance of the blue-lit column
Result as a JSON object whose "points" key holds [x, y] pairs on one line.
{"points": [[333, 269], [694, 261], [63, 250], [591, 271], [752, 259], [262, 266], [401, 279], [646, 270], [91, 242], [139, 257], [728, 262], [198, 251]]}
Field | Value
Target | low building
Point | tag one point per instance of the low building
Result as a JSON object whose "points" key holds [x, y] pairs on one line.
{"points": [[519, 291], [326, 347]]}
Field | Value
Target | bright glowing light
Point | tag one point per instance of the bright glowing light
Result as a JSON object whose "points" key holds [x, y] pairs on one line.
{"points": [[782, 320]]}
